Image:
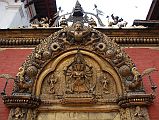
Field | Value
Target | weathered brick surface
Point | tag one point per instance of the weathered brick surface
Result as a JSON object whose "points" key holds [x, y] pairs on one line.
{"points": [[11, 60]]}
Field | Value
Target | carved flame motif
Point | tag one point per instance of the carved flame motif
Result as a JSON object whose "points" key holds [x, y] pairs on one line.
{"points": [[78, 76]]}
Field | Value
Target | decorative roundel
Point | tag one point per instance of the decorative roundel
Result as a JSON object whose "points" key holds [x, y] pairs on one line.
{"points": [[31, 71], [46, 55], [124, 70], [110, 53], [101, 46], [55, 46]]}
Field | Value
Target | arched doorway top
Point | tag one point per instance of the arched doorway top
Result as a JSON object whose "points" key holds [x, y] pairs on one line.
{"points": [[79, 37], [79, 66]]}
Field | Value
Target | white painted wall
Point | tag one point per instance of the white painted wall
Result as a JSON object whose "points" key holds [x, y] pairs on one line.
{"points": [[12, 15]]}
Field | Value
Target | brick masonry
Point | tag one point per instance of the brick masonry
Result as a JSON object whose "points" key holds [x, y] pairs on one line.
{"points": [[12, 59], [146, 58]]}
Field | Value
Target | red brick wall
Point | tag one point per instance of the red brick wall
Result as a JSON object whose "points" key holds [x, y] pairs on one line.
{"points": [[146, 58], [11, 60]]}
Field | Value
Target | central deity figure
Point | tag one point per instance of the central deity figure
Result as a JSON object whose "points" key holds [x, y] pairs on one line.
{"points": [[78, 33], [78, 76]]}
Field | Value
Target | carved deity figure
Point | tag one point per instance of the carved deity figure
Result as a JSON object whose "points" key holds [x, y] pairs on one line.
{"points": [[52, 81], [105, 83], [78, 33], [78, 75]]}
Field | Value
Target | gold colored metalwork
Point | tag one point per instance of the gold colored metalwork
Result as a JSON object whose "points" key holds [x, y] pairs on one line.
{"points": [[78, 69]]}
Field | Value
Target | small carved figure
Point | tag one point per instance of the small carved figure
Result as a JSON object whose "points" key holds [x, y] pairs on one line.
{"points": [[18, 114], [92, 23], [21, 84], [136, 80], [43, 22], [105, 83], [52, 81], [78, 33], [139, 115], [116, 20]]}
